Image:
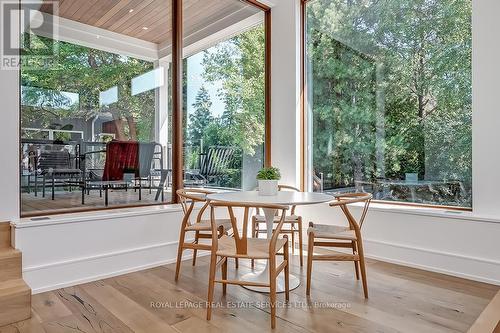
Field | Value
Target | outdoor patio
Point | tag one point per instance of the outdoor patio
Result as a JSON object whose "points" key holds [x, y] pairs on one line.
{"points": [[72, 201]]}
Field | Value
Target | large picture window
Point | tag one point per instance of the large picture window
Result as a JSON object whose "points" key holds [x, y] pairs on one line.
{"points": [[89, 129], [225, 112], [389, 99], [100, 125]]}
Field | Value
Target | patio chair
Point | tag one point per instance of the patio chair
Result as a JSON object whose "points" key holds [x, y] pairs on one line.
{"points": [[213, 164], [120, 156], [57, 166]]}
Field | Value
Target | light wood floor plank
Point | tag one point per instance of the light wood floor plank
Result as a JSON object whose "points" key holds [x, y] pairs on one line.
{"points": [[401, 299], [49, 307], [129, 312], [89, 309]]}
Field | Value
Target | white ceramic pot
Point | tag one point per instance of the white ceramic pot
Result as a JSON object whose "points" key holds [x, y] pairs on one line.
{"points": [[268, 187]]}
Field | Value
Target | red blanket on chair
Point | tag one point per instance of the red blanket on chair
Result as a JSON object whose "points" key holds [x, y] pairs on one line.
{"points": [[120, 155]]}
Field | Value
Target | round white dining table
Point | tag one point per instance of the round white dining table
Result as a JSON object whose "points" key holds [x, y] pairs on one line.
{"points": [[286, 198]]}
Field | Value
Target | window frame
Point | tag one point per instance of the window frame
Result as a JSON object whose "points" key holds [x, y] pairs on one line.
{"points": [[177, 112], [305, 140]]}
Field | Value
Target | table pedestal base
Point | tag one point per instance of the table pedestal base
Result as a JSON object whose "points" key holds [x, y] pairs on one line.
{"points": [[263, 276]]}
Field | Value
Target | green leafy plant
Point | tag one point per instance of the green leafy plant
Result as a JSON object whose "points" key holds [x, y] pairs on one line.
{"points": [[271, 173]]}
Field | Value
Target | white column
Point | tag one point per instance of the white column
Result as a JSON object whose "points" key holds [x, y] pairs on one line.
{"points": [[162, 107], [9, 139], [285, 87], [486, 104]]}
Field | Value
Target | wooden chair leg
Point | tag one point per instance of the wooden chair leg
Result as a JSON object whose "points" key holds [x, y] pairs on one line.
{"points": [[179, 253], [362, 266], [195, 251], [224, 275], [211, 284], [236, 263], [272, 292], [292, 227], [356, 264], [310, 249], [301, 249], [287, 272], [255, 234]]}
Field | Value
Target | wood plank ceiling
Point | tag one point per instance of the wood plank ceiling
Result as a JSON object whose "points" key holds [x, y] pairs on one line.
{"points": [[150, 20]]}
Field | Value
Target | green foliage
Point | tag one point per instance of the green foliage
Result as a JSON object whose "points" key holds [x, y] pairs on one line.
{"points": [[201, 118], [391, 91], [270, 173], [86, 72], [238, 64]]}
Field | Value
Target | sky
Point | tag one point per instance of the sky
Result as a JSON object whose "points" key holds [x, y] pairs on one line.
{"points": [[195, 81]]}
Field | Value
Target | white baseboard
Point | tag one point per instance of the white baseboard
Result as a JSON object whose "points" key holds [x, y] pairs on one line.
{"points": [[56, 275], [117, 260], [472, 268]]}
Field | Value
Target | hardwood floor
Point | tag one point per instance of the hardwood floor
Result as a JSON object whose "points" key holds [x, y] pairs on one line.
{"points": [[401, 299]]}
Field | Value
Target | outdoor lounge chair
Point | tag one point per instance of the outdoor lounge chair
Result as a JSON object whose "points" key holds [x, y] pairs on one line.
{"points": [[213, 164], [121, 156], [56, 166]]}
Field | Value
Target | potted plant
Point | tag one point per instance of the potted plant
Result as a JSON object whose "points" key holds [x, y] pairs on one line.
{"points": [[129, 174], [268, 181]]}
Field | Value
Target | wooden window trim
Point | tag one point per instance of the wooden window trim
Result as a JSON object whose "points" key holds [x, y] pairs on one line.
{"points": [[177, 99]]}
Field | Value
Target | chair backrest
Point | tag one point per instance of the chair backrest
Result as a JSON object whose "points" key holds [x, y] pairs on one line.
{"points": [[120, 155], [188, 199], [285, 188], [54, 159], [344, 199], [94, 161], [217, 160], [148, 153], [133, 155], [292, 189], [241, 240]]}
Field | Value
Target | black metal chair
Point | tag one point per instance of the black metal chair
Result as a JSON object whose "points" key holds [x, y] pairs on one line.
{"points": [[58, 167], [148, 163], [214, 163]]}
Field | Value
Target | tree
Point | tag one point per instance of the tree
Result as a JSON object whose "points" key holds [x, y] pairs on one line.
{"points": [[239, 64], [412, 105], [86, 72], [201, 118]]}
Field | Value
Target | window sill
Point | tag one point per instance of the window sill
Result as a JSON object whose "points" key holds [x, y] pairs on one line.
{"points": [[173, 208], [429, 211], [28, 222], [102, 214]]}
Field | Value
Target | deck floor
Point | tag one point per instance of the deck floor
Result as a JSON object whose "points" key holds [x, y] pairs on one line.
{"points": [[401, 299], [68, 201]]}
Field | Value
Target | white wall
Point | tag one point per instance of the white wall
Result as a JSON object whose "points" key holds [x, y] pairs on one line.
{"points": [[285, 86], [453, 243], [486, 115], [9, 139], [61, 252]]}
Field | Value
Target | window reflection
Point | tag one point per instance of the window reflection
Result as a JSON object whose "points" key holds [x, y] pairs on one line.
{"points": [[390, 99]]}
